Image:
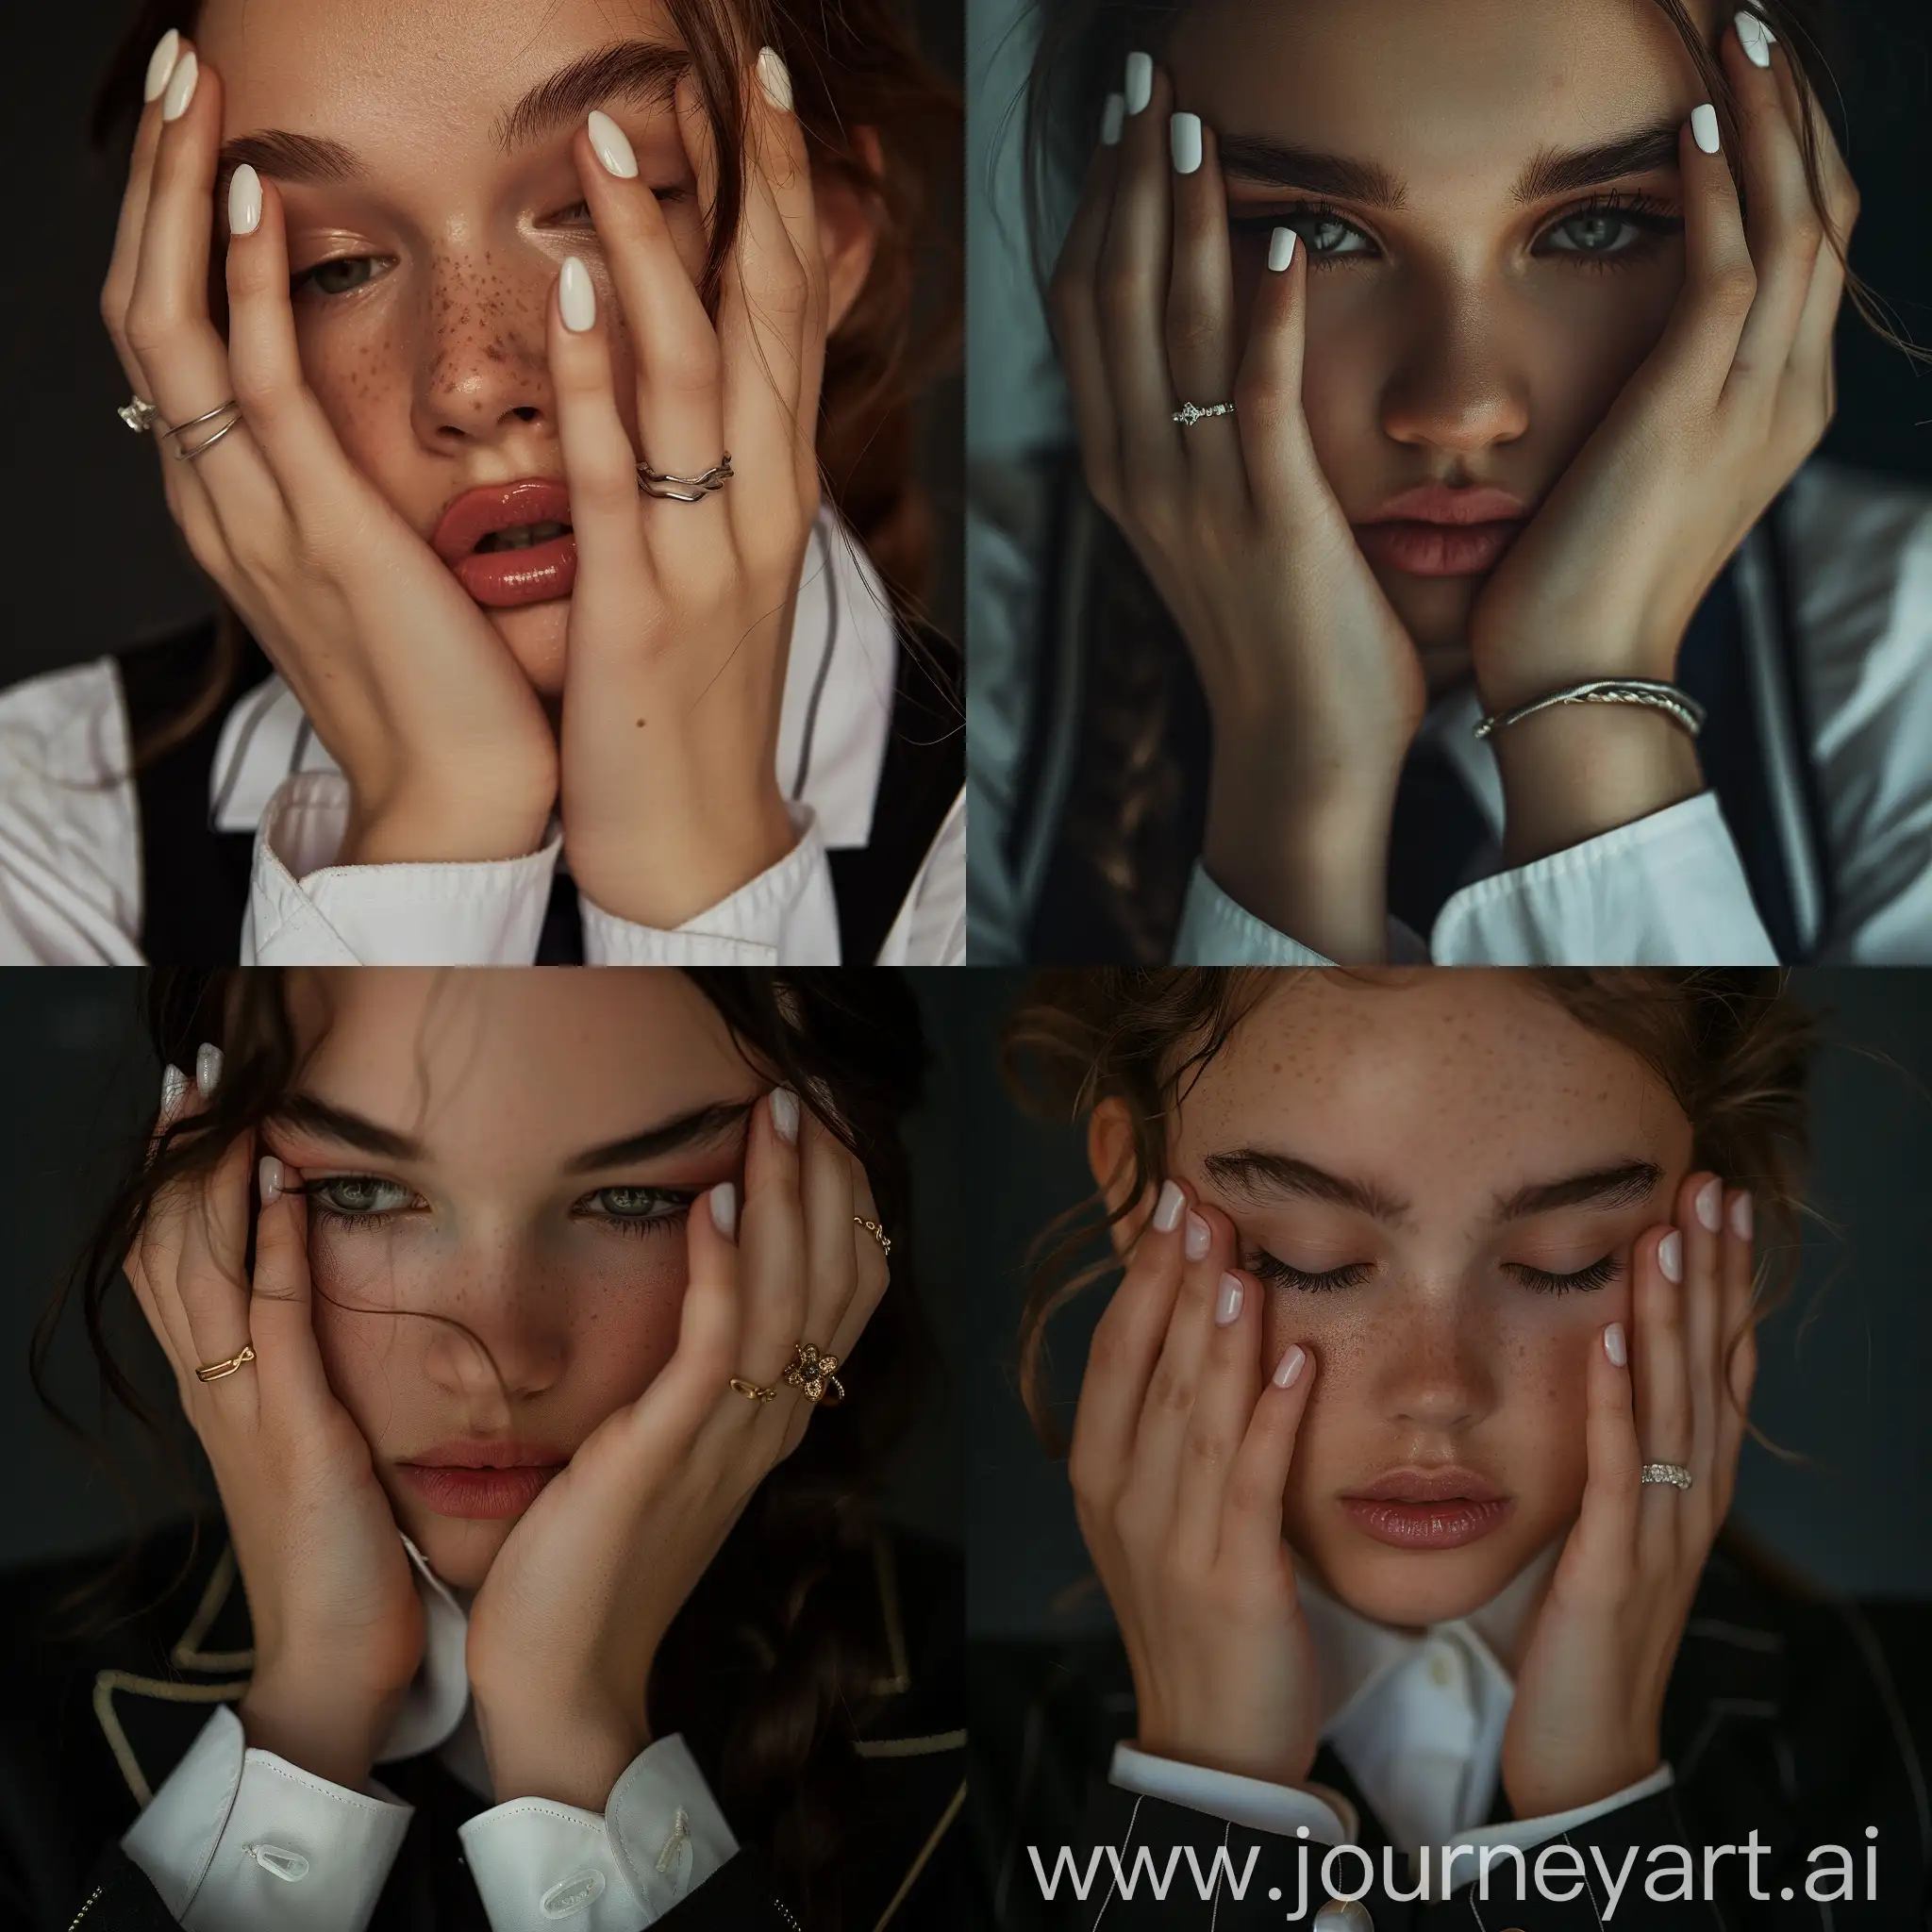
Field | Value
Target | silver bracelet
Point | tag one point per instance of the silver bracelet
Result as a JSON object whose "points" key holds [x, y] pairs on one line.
{"points": [[1677, 704]]}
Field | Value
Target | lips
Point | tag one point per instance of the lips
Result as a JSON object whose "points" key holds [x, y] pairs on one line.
{"points": [[505, 578], [1439, 1508], [1437, 531], [1429, 1483], [487, 1452]]}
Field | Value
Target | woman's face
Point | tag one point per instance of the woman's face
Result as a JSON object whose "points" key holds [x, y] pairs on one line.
{"points": [[514, 1151], [1490, 200], [1413, 1166], [432, 197]]}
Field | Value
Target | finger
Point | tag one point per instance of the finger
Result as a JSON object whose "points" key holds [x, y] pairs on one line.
{"points": [[772, 1243], [1075, 312], [1812, 351], [1200, 307], [831, 1182], [211, 1279], [1278, 454], [280, 1306], [1662, 1395], [1167, 1415], [694, 1385], [1701, 1216], [1606, 1537], [1251, 1511], [1125, 1345], [1135, 263], [1783, 231], [1739, 1360], [155, 1255], [122, 265], [1224, 1402], [1700, 341]]}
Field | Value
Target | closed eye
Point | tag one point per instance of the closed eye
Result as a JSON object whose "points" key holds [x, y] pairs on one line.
{"points": [[1278, 1274], [1598, 1274]]}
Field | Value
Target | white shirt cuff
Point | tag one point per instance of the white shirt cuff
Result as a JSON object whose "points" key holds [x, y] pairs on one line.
{"points": [[238, 1838], [305, 911], [1215, 931], [1664, 891], [661, 1836], [1526, 1833], [787, 916], [1251, 1801]]}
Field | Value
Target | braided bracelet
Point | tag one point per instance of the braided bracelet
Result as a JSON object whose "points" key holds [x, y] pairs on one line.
{"points": [[1675, 704]]}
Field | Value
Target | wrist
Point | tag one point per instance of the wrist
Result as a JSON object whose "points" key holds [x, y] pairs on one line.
{"points": [[1550, 1795], [697, 853], [568, 1757], [444, 830], [312, 1720]]}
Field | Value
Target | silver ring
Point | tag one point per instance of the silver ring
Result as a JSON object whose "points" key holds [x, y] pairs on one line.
{"points": [[187, 455], [208, 416], [1672, 1473], [1191, 413], [690, 488], [139, 415]]}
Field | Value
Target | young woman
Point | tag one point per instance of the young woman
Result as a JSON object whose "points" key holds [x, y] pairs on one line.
{"points": [[1403, 1453], [501, 1306], [531, 394], [1450, 380]]}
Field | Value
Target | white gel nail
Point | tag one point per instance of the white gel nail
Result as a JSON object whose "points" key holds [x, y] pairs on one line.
{"points": [[1140, 81], [181, 87], [244, 201], [774, 78], [1704, 129], [576, 297], [174, 1092], [269, 1179], [1756, 38], [1710, 1205], [1670, 1256], [1167, 1210], [161, 65], [1740, 1217], [1289, 1367], [1613, 1344], [612, 146], [1112, 115], [785, 1114], [1184, 139], [208, 1069], [1281, 249], [725, 1209], [1198, 1239], [1228, 1308]]}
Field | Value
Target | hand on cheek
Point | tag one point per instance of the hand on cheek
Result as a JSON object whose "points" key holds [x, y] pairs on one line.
{"points": [[1590, 1694]]}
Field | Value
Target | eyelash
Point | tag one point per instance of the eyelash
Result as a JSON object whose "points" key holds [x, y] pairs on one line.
{"points": [[1644, 212], [298, 282], [1584, 1281], [669, 1206]]}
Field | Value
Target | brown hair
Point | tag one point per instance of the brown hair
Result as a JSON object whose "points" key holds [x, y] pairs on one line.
{"points": [[775, 1662], [1734, 1047], [1136, 805], [854, 66]]}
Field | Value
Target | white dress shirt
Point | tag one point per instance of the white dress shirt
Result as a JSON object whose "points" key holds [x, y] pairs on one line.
{"points": [[237, 1838], [1417, 1719], [69, 831]]}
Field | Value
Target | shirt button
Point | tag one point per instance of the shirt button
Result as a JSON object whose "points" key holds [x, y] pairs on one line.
{"points": [[279, 1862], [573, 1895], [1442, 1672], [1344, 1915]]}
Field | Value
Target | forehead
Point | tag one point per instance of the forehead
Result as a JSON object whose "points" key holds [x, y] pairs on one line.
{"points": [[1434, 90], [1466, 1079], [518, 1067]]}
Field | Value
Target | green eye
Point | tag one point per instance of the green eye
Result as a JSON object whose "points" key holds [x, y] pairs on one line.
{"points": [[357, 1196], [638, 1210]]}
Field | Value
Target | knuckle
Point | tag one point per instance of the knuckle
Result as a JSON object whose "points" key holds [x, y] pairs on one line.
{"points": [[1733, 288], [1171, 1392], [1206, 1447]]}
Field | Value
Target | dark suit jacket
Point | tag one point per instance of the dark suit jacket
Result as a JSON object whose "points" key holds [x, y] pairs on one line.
{"points": [[89, 1729], [1806, 1720]]}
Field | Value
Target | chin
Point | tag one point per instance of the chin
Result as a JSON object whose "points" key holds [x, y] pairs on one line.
{"points": [[1435, 611], [458, 1552], [535, 634], [1410, 1587]]}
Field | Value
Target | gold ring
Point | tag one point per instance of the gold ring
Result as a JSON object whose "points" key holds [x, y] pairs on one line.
{"points": [[876, 1232], [812, 1371], [754, 1391], [215, 1371]]}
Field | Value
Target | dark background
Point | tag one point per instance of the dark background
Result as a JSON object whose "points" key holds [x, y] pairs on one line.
{"points": [[110, 568], [81, 1077], [1851, 1395]]}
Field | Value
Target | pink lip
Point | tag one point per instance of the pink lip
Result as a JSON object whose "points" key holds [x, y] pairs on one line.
{"points": [[1437, 502], [505, 578], [1435, 531], [487, 1452], [478, 1492], [1427, 1507]]}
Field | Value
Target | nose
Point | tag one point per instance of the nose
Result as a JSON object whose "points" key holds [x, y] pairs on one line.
{"points": [[484, 370], [498, 1334], [1455, 385], [1438, 1361]]}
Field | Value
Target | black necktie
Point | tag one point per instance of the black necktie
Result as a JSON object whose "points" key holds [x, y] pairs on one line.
{"points": [[1433, 840], [561, 941]]}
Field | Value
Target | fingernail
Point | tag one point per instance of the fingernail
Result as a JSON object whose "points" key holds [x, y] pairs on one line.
{"points": [[181, 87], [160, 64], [785, 1114], [1184, 139], [725, 1209], [1112, 115], [1288, 1369], [1167, 1210], [1670, 1256], [775, 78], [1140, 81], [174, 1092], [208, 1069], [1281, 249], [267, 1175], [613, 146], [1710, 1204], [1740, 1217], [1198, 1239], [577, 299], [1613, 1344], [1704, 129], [1228, 1305], [1756, 38], [244, 201]]}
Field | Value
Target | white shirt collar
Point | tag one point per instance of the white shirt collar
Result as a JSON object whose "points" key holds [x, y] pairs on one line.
{"points": [[834, 719], [436, 1713]]}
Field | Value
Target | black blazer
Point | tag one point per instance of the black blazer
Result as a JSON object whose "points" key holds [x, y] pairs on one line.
{"points": [[89, 1729], [1804, 1719]]}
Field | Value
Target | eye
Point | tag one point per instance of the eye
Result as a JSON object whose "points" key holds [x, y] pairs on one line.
{"points": [[1326, 235], [1610, 229], [356, 1197], [1281, 1275], [341, 274], [1598, 1274], [637, 1211]]}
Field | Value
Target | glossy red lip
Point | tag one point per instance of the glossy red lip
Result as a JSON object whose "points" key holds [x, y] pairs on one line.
{"points": [[479, 513], [486, 1452], [1428, 1483], [1437, 503]]}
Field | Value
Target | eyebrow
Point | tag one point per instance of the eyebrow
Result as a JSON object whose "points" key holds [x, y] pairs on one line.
{"points": [[1281, 164], [1622, 1186], [642, 72], [700, 1127]]}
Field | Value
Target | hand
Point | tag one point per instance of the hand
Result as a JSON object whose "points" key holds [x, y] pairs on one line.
{"points": [[1314, 687], [1590, 1694], [1179, 1458], [567, 1624], [337, 1621], [443, 740], [1741, 389], [681, 619]]}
